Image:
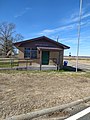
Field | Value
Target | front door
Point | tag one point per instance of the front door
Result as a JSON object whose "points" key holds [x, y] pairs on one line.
{"points": [[45, 57]]}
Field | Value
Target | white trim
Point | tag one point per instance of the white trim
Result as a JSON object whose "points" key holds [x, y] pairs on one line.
{"points": [[80, 114]]}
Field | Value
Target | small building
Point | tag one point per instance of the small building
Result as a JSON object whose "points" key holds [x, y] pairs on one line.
{"points": [[42, 50]]}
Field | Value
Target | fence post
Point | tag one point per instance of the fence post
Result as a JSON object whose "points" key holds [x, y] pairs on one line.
{"points": [[26, 64], [11, 62]]}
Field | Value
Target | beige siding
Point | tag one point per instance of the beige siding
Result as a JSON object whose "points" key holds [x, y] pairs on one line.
{"points": [[61, 59], [21, 52], [55, 55], [38, 54]]}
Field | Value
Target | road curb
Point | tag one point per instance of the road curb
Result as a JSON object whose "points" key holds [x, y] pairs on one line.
{"points": [[39, 113]]}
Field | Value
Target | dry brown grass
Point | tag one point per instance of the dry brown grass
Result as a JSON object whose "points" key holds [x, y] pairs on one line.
{"points": [[25, 91], [87, 62]]}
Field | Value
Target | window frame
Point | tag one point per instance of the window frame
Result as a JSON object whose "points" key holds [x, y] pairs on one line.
{"points": [[33, 50], [30, 53], [27, 53]]}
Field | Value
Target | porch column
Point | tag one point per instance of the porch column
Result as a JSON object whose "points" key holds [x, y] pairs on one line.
{"points": [[40, 59], [58, 66], [59, 59]]}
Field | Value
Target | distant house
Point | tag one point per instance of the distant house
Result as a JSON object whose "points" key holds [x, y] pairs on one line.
{"points": [[42, 50]]}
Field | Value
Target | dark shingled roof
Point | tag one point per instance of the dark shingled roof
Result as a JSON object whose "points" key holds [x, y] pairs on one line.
{"points": [[18, 44]]}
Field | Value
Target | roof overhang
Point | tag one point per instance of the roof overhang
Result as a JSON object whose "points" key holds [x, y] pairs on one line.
{"points": [[49, 49], [18, 44]]}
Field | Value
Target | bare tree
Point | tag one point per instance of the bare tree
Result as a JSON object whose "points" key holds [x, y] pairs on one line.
{"points": [[7, 37]]}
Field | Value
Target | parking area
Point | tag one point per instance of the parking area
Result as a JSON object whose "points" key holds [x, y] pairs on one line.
{"points": [[83, 64]]}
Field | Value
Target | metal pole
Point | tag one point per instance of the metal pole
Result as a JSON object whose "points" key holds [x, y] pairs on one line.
{"points": [[57, 38], [79, 28]]}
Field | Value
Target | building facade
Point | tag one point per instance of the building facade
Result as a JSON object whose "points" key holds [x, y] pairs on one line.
{"points": [[42, 50]]}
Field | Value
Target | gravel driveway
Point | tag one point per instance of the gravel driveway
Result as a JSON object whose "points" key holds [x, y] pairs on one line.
{"points": [[82, 64]]}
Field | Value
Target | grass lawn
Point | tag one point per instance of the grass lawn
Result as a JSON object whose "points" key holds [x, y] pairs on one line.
{"points": [[25, 91], [8, 64]]}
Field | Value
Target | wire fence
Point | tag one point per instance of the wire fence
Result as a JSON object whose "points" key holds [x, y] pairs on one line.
{"points": [[14, 62], [22, 63]]}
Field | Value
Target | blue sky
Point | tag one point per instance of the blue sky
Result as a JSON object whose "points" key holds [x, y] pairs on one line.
{"points": [[52, 18]]}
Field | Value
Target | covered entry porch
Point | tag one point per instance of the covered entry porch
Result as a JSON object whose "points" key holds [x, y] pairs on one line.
{"points": [[48, 54]]}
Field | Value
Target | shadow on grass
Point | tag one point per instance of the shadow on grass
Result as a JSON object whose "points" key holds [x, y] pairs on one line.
{"points": [[70, 68]]}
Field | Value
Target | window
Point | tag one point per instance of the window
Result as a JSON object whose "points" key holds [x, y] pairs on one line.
{"points": [[27, 53], [30, 53], [34, 53]]}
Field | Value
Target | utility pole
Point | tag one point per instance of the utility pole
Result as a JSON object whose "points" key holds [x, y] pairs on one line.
{"points": [[79, 28], [57, 38]]}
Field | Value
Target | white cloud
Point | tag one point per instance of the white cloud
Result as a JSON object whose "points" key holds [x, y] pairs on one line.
{"points": [[55, 30], [69, 40], [74, 17], [69, 23], [28, 8], [86, 15], [73, 23], [74, 40], [23, 12]]}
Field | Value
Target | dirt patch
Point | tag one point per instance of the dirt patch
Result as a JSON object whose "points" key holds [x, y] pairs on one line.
{"points": [[26, 91]]}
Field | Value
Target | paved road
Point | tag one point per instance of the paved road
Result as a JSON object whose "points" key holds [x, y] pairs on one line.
{"points": [[86, 117], [82, 115], [80, 66], [69, 112]]}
